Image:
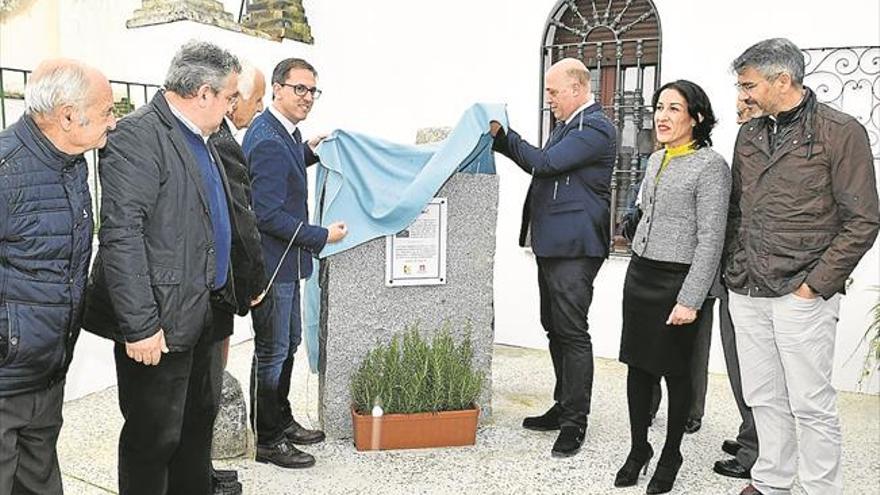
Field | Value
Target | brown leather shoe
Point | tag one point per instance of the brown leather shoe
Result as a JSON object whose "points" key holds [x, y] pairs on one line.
{"points": [[299, 435], [750, 490]]}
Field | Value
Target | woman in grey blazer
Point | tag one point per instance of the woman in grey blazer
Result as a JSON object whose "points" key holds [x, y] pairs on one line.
{"points": [[676, 250]]}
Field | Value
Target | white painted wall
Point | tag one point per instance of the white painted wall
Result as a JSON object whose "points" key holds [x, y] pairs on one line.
{"points": [[18, 45], [388, 68]]}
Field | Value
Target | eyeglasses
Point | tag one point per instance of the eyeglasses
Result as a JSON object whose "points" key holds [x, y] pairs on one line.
{"points": [[748, 87], [302, 89]]}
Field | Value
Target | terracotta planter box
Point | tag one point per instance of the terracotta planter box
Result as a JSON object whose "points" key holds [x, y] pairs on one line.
{"points": [[415, 431]]}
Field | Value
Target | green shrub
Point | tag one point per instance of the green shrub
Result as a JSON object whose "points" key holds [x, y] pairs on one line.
{"points": [[412, 375], [872, 338]]}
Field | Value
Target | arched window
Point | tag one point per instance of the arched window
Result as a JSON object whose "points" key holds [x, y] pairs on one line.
{"points": [[619, 41]]}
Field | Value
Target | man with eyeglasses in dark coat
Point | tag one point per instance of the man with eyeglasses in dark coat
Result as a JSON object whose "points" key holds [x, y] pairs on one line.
{"points": [[278, 158]]}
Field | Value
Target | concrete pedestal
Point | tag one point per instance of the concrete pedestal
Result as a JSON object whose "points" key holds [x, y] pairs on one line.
{"points": [[360, 312]]}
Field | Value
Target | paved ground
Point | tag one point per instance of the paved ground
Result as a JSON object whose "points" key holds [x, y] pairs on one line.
{"points": [[506, 459]]}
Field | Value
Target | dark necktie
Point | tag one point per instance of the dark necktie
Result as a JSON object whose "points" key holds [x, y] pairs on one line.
{"points": [[297, 137], [555, 135]]}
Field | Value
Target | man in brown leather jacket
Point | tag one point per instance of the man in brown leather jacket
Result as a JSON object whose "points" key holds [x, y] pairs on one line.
{"points": [[803, 211]]}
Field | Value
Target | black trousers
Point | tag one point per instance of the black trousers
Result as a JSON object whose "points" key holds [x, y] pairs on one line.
{"points": [[566, 291], [29, 427], [169, 411], [747, 436]]}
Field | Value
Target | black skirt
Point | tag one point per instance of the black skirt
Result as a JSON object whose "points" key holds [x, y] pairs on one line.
{"points": [[647, 342]]}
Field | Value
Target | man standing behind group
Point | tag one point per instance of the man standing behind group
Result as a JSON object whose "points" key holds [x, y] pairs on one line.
{"points": [[251, 90], [246, 256], [46, 240], [163, 259], [567, 214], [803, 211], [278, 158], [744, 449]]}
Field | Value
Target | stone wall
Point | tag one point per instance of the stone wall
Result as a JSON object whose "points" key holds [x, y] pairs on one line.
{"points": [[271, 19]]}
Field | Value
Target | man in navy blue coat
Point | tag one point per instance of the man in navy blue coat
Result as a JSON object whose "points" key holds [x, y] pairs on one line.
{"points": [[278, 158], [45, 247], [566, 214]]}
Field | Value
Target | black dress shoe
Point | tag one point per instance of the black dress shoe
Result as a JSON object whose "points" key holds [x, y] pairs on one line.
{"points": [[569, 441], [227, 488], [732, 469], [284, 454], [224, 475], [693, 425], [628, 475], [299, 435], [225, 482], [548, 421], [730, 447], [664, 477]]}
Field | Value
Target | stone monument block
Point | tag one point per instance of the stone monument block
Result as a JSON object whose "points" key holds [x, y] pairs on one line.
{"points": [[231, 425], [359, 311]]}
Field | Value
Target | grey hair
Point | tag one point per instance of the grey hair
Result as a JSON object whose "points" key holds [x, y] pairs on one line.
{"points": [[246, 80], [198, 63], [65, 84], [772, 57]]}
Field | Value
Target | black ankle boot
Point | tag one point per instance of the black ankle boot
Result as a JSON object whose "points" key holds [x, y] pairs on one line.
{"points": [[569, 441], [549, 421], [628, 475], [664, 477]]}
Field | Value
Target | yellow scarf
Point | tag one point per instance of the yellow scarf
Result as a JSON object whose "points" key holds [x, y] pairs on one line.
{"points": [[674, 152]]}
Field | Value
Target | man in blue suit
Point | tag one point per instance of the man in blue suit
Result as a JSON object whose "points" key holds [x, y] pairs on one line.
{"points": [[278, 158], [566, 214]]}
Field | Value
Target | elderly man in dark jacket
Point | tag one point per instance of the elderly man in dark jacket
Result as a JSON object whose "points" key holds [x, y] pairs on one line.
{"points": [[45, 246], [567, 213], [162, 263], [246, 256], [803, 212]]}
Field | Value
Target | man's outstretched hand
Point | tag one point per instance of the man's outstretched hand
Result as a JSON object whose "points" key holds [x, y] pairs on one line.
{"points": [[494, 127], [336, 231]]}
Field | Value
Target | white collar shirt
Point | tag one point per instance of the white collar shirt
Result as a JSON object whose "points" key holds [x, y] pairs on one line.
{"points": [[579, 110], [188, 123]]}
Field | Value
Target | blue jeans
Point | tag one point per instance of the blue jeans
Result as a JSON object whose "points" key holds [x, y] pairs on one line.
{"points": [[277, 334]]}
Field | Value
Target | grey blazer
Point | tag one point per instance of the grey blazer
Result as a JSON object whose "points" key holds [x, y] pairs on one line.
{"points": [[684, 217]]}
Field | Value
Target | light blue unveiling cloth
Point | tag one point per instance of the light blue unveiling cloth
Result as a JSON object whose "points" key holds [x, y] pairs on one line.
{"points": [[378, 188]]}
